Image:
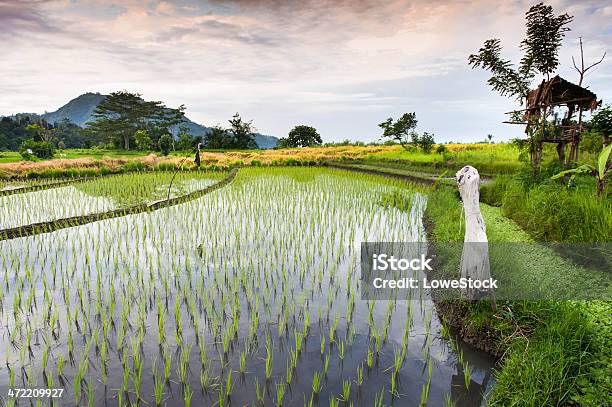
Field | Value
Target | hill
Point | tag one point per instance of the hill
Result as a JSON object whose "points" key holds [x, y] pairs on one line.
{"points": [[80, 109]]}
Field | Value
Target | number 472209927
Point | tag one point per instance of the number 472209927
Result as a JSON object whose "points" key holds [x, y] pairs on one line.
{"points": [[36, 393]]}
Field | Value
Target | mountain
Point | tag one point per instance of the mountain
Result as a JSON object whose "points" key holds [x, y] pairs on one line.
{"points": [[80, 110]]}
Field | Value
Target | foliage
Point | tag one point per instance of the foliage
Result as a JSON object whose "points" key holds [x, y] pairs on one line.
{"points": [[544, 35], [591, 141], [402, 130], [602, 121], [14, 131], [41, 131], [551, 212], [217, 138], [185, 140], [241, 132], [240, 135], [122, 113], [302, 136], [505, 79], [41, 149], [142, 140], [71, 134], [555, 353], [441, 149], [165, 144], [426, 142], [600, 173]]}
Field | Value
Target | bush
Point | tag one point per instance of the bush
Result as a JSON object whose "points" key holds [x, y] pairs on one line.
{"points": [[40, 149], [165, 144], [142, 140]]}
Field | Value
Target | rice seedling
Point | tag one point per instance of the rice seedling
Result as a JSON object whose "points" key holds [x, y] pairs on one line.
{"points": [[326, 365], [189, 273], [280, 394], [359, 379], [289, 372], [259, 392], [346, 390], [467, 375], [242, 362], [370, 358], [228, 384], [158, 389], [269, 361], [398, 359], [316, 383], [187, 395], [322, 345]]}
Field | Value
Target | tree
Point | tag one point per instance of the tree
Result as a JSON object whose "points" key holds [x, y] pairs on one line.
{"points": [[426, 142], [582, 70], [441, 149], [217, 138], [13, 131], [41, 149], [545, 32], [122, 113], [303, 136], [490, 138], [401, 130], [41, 131], [71, 134], [142, 140], [185, 141], [165, 144], [601, 122], [241, 133], [544, 35]]}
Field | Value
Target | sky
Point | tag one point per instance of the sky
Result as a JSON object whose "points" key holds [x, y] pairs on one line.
{"points": [[337, 65]]}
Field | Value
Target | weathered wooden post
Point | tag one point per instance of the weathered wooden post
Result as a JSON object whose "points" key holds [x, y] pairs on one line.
{"points": [[475, 254]]}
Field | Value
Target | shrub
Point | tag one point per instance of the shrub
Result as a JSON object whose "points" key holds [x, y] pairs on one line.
{"points": [[165, 144], [441, 149], [142, 140], [40, 149]]}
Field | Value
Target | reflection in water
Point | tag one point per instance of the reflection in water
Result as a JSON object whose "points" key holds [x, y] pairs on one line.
{"points": [[276, 258]]}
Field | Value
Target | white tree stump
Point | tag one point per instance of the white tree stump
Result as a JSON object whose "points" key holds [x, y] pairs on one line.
{"points": [[475, 254]]}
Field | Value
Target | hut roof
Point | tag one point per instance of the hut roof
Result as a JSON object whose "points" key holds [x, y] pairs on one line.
{"points": [[558, 91]]}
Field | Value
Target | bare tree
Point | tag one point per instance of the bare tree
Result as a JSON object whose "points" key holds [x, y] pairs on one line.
{"points": [[583, 70]]}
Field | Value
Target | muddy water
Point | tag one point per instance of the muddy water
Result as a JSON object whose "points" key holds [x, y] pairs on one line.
{"points": [[185, 249]]}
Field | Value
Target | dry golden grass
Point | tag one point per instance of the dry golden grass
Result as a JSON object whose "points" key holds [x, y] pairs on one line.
{"points": [[470, 152], [222, 159]]}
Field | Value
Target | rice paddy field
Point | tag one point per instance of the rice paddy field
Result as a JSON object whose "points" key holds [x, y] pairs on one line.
{"points": [[98, 195], [248, 295]]}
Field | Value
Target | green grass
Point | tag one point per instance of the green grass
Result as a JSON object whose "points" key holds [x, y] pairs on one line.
{"points": [[489, 159], [9, 157], [552, 212], [556, 353]]}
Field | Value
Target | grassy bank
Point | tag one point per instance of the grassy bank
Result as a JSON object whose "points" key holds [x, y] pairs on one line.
{"points": [[550, 211], [554, 353]]}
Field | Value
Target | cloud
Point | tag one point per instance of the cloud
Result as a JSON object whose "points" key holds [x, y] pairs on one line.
{"points": [[341, 65], [22, 18]]}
